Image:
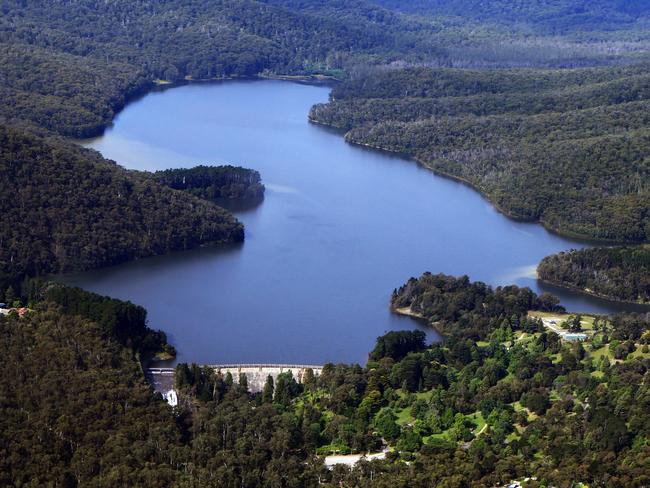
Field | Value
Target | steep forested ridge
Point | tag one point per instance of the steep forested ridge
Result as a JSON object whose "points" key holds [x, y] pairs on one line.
{"points": [[65, 208], [548, 16], [75, 409], [568, 148], [618, 273], [70, 94]]}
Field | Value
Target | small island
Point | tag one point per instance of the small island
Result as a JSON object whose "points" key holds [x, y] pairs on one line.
{"points": [[616, 273], [215, 183]]}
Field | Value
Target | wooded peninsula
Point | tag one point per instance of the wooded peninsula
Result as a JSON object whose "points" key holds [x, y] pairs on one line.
{"points": [[616, 273]]}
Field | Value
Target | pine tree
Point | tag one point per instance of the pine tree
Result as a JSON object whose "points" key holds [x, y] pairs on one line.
{"points": [[267, 393], [243, 381]]}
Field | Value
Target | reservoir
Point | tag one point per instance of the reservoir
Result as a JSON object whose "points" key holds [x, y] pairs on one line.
{"points": [[339, 229]]}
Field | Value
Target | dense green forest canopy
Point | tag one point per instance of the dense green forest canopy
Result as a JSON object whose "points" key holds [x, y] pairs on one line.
{"points": [[556, 16], [66, 208], [214, 182], [70, 65], [568, 148], [471, 309], [618, 273], [66, 93], [519, 402]]}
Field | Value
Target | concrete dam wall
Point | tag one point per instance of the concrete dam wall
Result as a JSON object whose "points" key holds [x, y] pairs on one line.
{"points": [[162, 379]]}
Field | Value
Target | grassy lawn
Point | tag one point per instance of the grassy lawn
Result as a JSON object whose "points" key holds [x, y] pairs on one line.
{"points": [[333, 449], [443, 436], [639, 354], [603, 351], [545, 315], [478, 420], [587, 322], [519, 408], [404, 416], [526, 338], [424, 395], [513, 436]]}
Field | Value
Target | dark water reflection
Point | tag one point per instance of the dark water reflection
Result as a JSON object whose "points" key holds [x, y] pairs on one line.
{"points": [[339, 228]]}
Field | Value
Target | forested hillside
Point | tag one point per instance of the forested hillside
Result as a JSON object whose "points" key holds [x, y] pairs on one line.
{"points": [[618, 273], [65, 208], [501, 399], [567, 148], [68, 66], [537, 32], [66, 93], [77, 412], [173, 39], [556, 16]]}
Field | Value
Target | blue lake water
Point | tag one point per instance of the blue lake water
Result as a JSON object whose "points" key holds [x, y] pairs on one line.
{"points": [[339, 229]]}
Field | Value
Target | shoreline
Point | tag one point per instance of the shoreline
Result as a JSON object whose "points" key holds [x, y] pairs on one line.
{"points": [[406, 311], [319, 80], [552, 229], [583, 291], [400, 311], [418, 317], [152, 85]]}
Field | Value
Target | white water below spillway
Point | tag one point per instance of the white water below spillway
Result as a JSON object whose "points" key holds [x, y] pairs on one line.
{"points": [[171, 397]]}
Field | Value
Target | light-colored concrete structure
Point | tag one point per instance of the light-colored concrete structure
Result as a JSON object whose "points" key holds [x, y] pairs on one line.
{"points": [[256, 374]]}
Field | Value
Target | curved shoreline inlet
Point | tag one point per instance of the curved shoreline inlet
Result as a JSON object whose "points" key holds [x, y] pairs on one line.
{"points": [[340, 228]]}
